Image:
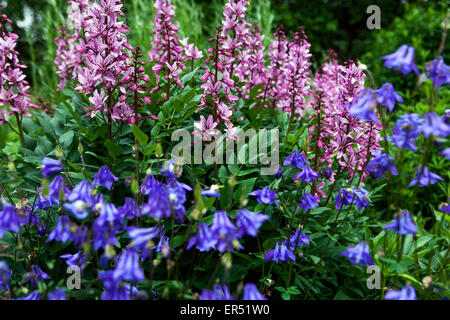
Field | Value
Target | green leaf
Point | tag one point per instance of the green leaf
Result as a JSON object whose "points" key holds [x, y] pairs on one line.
{"points": [[66, 139], [140, 136]]}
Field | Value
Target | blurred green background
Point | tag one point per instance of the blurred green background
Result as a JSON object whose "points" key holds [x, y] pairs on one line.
{"points": [[329, 24]]}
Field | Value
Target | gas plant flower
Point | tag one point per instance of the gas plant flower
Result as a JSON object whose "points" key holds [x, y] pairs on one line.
{"points": [[309, 202], [406, 293], [425, 177], [402, 224], [251, 292], [402, 60], [381, 164], [249, 222], [386, 96], [265, 195], [359, 254], [50, 166], [438, 72], [280, 253], [104, 177], [206, 129]]}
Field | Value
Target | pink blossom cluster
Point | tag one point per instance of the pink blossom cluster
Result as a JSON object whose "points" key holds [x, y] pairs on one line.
{"points": [[13, 85], [168, 52], [343, 137]]}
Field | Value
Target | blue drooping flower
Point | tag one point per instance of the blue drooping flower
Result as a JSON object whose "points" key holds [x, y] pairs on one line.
{"points": [[438, 72], [445, 207], [249, 222], [104, 177], [150, 183], [298, 239], [279, 253], [359, 254], [306, 175], [79, 209], [251, 292], [83, 192], [170, 170], [177, 198], [213, 191], [204, 240], [344, 197], [434, 126], [265, 195], [406, 130], [50, 166], [36, 275], [58, 294], [446, 153], [77, 259], [163, 246], [296, 160], [402, 60], [9, 220], [425, 177], [106, 227], [362, 199], [308, 202], [116, 289], [129, 210], [407, 293], [5, 276], [142, 239], [128, 268], [279, 173], [225, 232], [32, 296], [55, 188], [386, 96], [364, 105], [402, 224], [381, 164], [158, 205], [219, 292]]}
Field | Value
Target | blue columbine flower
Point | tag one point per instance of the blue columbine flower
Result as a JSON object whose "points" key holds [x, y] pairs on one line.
{"points": [[386, 96], [279, 253], [364, 105], [359, 254], [150, 183], [219, 292], [402, 60], [251, 293], [58, 294], [158, 205], [50, 166], [62, 231], [32, 296], [306, 175], [116, 289], [128, 268], [170, 170], [296, 159], [265, 195], [407, 293], [9, 220], [438, 72], [213, 191], [55, 188], [142, 239], [83, 192], [104, 177], [309, 202], [204, 240], [380, 164], [77, 259], [36, 275], [362, 199], [406, 130], [5, 276], [249, 222], [79, 209], [446, 153], [445, 207], [106, 227], [434, 126], [279, 173], [129, 210], [425, 177], [225, 232], [163, 246], [344, 197], [402, 224], [298, 239]]}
